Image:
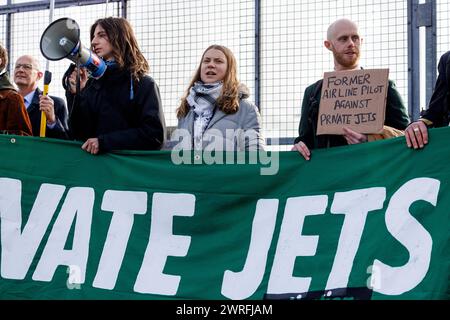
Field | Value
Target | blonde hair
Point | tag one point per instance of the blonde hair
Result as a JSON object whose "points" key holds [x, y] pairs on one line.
{"points": [[228, 101]]}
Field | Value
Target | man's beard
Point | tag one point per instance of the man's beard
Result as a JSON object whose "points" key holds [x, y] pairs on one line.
{"points": [[344, 61]]}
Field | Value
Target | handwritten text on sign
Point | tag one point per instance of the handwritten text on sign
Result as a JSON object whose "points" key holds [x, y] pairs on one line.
{"points": [[354, 99]]}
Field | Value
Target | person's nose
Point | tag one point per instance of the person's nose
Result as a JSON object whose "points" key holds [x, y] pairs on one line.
{"points": [[351, 43], [94, 42]]}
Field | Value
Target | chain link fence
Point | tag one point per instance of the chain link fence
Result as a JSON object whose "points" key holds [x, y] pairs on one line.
{"points": [[174, 33]]}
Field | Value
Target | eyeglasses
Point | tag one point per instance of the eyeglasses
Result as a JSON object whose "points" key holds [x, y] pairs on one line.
{"points": [[25, 66]]}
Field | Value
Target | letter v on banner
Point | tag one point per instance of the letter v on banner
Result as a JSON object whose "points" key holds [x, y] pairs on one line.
{"points": [[22, 246]]}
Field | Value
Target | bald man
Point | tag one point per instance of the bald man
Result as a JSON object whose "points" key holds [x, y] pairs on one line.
{"points": [[27, 73], [344, 42]]}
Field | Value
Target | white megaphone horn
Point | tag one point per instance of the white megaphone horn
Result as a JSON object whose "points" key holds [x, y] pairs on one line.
{"points": [[61, 40]]}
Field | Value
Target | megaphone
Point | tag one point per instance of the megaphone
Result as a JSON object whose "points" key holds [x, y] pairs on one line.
{"points": [[61, 39]]}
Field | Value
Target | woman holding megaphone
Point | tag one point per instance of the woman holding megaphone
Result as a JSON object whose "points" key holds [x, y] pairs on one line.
{"points": [[121, 109]]}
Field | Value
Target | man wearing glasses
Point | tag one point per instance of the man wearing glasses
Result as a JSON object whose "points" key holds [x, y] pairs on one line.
{"points": [[27, 74]]}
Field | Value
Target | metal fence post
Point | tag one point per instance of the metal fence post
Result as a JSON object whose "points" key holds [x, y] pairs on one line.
{"points": [[431, 48], [421, 15], [8, 35], [124, 9], [258, 53], [413, 61]]}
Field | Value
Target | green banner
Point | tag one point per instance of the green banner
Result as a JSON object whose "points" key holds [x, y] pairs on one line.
{"points": [[368, 221]]}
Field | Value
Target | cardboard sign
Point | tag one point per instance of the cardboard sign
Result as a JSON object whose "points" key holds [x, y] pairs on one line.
{"points": [[354, 99]]}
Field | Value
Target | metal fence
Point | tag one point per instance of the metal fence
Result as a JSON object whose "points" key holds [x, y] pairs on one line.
{"points": [[293, 55], [443, 29], [175, 33], [278, 44], [27, 26]]}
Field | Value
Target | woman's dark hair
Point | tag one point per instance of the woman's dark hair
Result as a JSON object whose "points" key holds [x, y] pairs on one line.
{"points": [[124, 44]]}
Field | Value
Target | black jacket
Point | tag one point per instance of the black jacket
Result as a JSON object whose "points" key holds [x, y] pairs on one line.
{"points": [[60, 130], [122, 116], [439, 106]]}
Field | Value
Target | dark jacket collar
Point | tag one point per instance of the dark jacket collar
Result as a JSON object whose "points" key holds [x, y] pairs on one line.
{"points": [[34, 104], [113, 74], [5, 82]]}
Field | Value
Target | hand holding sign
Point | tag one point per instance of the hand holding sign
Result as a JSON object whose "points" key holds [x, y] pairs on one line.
{"points": [[354, 137], [353, 99]]}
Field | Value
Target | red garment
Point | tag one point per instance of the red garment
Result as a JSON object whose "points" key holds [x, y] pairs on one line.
{"points": [[13, 115]]}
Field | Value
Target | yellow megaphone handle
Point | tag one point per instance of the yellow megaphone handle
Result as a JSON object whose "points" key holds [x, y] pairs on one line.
{"points": [[47, 80]]}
